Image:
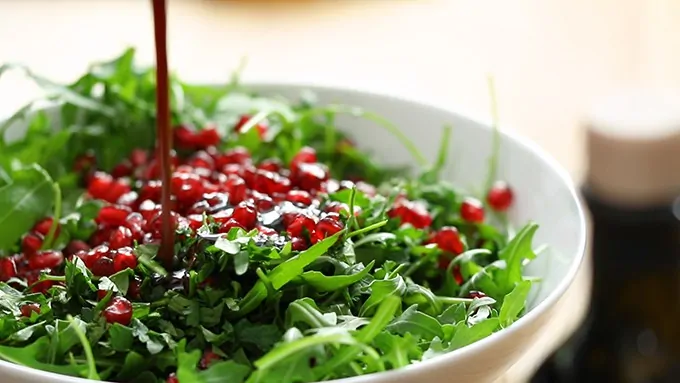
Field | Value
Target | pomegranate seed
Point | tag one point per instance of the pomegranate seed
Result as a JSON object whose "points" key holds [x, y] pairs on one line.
{"points": [[148, 209], [477, 294], [338, 207], [247, 172], [457, 276], [124, 259], [245, 214], [302, 225], [195, 221], [119, 310], [134, 289], [472, 210], [128, 199], [327, 226], [306, 155], [310, 176], [113, 215], [75, 246], [206, 137], [101, 294], [270, 183], [155, 224], [229, 224], [100, 185], [102, 235], [121, 237], [448, 239], [271, 165], [238, 155], [500, 196], [264, 230], [300, 197], [39, 287], [43, 226], [134, 222], [29, 308], [48, 259], [103, 267], [236, 187], [84, 162], [172, 378], [299, 244], [188, 188], [31, 242], [330, 186], [151, 191], [208, 358], [263, 202], [139, 157], [8, 269], [202, 160], [410, 212], [123, 169], [184, 137]]}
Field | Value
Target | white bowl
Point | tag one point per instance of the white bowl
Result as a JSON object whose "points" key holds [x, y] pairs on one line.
{"points": [[544, 194]]}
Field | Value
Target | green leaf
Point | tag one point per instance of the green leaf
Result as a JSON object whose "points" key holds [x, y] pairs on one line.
{"points": [[453, 314], [324, 283], [28, 198], [133, 364], [381, 289], [514, 303], [517, 250], [31, 355], [305, 311], [227, 371], [417, 323], [263, 336], [120, 337], [465, 335]]}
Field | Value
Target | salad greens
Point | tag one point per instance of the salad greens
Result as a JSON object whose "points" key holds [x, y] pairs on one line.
{"points": [[372, 297]]}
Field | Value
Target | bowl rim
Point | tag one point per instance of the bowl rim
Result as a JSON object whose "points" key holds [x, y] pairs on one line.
{"points": [[483, 122]]}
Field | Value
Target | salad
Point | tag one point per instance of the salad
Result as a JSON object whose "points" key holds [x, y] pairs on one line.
{"points": [[298, 258]]}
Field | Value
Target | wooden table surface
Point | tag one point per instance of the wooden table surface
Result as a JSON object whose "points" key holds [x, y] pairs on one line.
{"points": [[550, 60]]}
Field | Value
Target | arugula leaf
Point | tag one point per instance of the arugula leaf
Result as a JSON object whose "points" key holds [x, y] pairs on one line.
{"points": [[31, 355], [465, 335], [324, 283], [514, 303], [417, 323], [26, 199], [517, 250]]}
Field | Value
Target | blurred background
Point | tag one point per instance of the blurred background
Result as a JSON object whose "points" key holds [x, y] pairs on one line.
{"points": [[551, 60]]}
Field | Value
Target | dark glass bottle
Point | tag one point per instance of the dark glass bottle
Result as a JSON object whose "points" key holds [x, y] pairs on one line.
{"points": [[632, 331]]}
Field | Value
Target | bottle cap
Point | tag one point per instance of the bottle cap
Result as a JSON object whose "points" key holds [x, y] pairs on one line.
{"points": [[633, 148]]}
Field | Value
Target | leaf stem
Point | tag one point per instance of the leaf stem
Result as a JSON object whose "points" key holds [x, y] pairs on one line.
{"points": [[452, 300], [87, 349], [367, 229]]}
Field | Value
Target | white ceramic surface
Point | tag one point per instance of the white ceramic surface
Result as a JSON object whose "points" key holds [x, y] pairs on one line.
{"points": [[544, 193]]}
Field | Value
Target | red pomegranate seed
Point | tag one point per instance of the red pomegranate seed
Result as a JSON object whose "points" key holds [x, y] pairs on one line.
{"points": [[8, 269], [188, 188], [148, 209], [330, 186], [134, 289], [113, 215], [48, 259], [139, 157], [245, 214], [300, 197], [103, 267], [270, 183], [411, 212], [101, 294], [229, 224], [236, 187], [271, 165], [100, 184], [448, 239], [306, 155], [101, 236], [247, 172], [43, 227], [500, 196], [208, 358], [301, 226], [476, 294], [134, 222], [206, 137], [262, 202], [238, 155], [151, 191], [31, 242], [39, 287], [124, 259], [202, 160], [155, 224], [119, 310], [121, 237], [128, 199], [195, 221], [299, 244], [75, 246], [184, 137], [338, 207], [29, 308], [310, 176], [123, 169], [457, 276], [172, 378], [327, 226], [84, 162], [472, 210], [264, 230]]}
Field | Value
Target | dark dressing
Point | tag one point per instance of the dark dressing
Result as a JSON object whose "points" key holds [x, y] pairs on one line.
{"points": [[163, 131]]}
